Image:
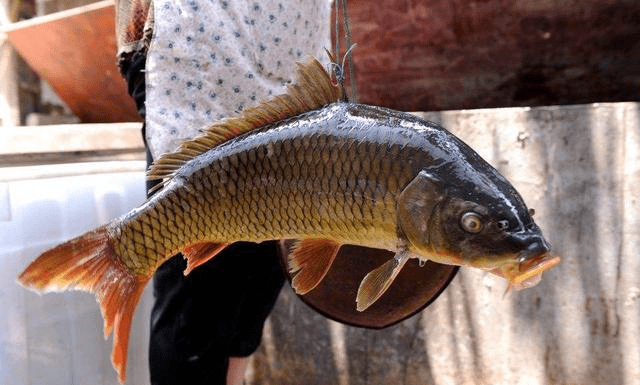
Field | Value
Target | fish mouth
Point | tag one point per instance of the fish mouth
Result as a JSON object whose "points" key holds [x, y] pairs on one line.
{"points": [[531, 263], [530, 272]]}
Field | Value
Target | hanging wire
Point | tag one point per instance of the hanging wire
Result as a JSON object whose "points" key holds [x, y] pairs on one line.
{"points": [[338, 67], [347, 55], [337, 25]]}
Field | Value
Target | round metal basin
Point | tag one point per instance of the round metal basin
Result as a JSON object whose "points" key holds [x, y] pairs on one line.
{"points": [[413, 289]]}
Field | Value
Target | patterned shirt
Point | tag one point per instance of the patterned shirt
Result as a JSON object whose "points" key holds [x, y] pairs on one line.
{"points": [[211, 58]]}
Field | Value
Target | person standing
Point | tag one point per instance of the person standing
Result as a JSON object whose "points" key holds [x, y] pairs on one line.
{"points": [[189, 63]]}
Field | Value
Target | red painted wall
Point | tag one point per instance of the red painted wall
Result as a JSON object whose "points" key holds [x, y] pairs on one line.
{"points": [[456, 54]]}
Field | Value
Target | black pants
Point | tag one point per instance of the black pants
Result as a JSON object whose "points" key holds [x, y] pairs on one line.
{"points": [[217, 311]]}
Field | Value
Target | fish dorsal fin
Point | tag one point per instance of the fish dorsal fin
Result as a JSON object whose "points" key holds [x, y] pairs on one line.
{"points": [[312, 89]]}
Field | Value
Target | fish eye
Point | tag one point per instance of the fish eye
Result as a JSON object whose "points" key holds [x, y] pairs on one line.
{"points": [[503, 224], [532, 212], [471, 222]]}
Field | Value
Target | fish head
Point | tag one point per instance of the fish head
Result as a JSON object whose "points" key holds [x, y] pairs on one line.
{"points": [[470, 226], [493, 237]]}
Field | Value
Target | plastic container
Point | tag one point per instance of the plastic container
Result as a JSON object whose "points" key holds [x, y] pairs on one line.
{"points": [[57, 338]]}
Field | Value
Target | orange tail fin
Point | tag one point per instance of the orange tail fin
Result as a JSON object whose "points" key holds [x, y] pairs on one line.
{"points": [[88, 263]]}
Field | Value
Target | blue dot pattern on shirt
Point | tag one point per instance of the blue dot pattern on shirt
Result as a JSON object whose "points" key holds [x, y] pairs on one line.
{"points": [[211, 58]]}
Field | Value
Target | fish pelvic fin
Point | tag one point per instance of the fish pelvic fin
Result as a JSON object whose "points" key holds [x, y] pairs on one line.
{"points": [[88, 263], [198, 253], [310, 260], [378, 280], [312, 89]]}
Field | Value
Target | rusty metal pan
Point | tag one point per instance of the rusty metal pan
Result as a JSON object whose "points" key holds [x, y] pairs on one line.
{"points": [[414, 289]]}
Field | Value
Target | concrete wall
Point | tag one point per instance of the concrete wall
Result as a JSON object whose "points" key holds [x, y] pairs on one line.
{"points": [[579, 167]]}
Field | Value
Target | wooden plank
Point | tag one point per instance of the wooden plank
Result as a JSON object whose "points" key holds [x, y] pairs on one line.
{"points": [[75, 51], [40, 171], [70, 143], [32, 159]]}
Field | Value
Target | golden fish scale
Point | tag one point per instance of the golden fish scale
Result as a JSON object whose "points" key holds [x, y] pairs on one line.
{"points": [[319, 186]]}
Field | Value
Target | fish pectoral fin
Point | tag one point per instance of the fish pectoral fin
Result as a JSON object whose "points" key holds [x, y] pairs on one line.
{"points": [[198, 253], [310, 260], [378, 281]]}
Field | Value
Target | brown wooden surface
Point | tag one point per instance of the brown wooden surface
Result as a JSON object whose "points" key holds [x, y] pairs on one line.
{"points": [[75, 52], [461, 54]]}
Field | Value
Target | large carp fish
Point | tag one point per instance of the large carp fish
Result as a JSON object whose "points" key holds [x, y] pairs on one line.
{"points": [[306, 165]]}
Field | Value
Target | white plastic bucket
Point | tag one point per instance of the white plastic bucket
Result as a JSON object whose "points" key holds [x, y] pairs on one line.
{"points": [[57, 338]]}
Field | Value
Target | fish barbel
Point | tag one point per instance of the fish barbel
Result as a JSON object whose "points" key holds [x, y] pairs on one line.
{"points": [[310, 166]]}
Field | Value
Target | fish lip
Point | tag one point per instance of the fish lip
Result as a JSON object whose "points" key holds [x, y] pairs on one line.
{"points": [[530, 272], [535, 249], [534, 260], [536, 252], [525, 270]]}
